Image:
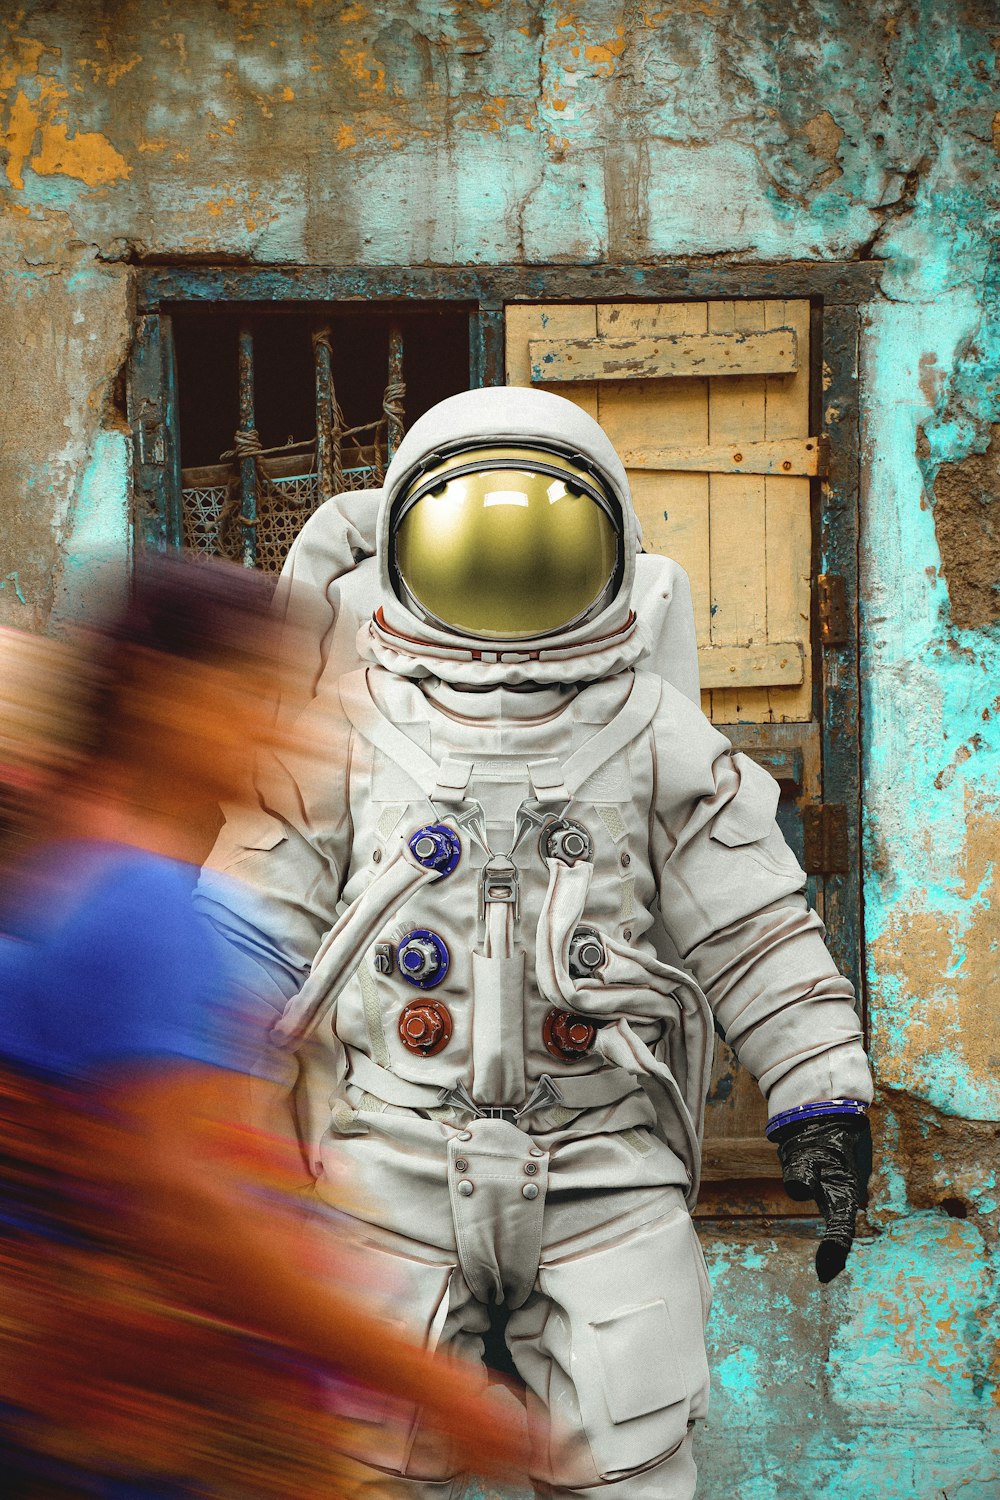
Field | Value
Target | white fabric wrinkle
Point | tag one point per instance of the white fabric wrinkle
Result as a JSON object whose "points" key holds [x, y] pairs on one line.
{"points": [[497, 706], [788, 1067], [561, 914], [553, 665], [681, 1129]]}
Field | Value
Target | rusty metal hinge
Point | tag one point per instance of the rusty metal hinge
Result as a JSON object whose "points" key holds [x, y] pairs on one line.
{"points": [[834, 620], [827, 847]]}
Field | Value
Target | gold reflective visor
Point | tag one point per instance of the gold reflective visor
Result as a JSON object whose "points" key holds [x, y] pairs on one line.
{"points": [[509, 547]]}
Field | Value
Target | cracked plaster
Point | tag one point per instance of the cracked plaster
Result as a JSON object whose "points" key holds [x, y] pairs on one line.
{"points": [[468, 131]]}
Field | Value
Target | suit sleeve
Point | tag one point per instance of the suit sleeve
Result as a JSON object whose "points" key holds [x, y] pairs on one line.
{"points": [[272, 884], [314, 596], [732, 900]]}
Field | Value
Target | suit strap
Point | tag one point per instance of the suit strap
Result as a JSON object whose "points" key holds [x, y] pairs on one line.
{"points": [[628, 723], [445, 783]]}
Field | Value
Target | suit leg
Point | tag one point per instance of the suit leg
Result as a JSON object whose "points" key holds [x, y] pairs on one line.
{"points": [[611, 1345]]}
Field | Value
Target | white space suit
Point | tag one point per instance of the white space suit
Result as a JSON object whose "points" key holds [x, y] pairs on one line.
{"points": [[452, 911]]}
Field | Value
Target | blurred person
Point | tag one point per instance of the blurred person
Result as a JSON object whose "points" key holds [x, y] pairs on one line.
{"points": [[164, 1322]]}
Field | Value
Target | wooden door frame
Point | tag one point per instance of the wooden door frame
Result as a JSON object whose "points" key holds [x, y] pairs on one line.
{"points": [[835, 290]]}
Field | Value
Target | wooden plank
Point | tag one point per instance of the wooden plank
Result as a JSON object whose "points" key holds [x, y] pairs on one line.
{"points": [[734, 1145], [766, 664], [767, 743], [560, 320], [756, 1202], [738, 552], [360, 285], [789, 456], [727, 1157], [738, 352], [788, 519], [672, 508]]}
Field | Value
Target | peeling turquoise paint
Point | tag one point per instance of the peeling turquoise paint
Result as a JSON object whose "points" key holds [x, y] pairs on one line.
{"points": [[911, 1329], [15, 582], [739, 1372], [891, 1180], [919, 1328], [930, 756], [98, 546]]}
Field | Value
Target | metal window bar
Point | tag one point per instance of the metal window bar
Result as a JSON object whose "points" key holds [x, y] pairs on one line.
{"points": [[327, 460], [248, 458], [256, 514], [395, 391]]}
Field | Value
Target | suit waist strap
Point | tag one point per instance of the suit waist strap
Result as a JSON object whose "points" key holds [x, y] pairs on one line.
{"points": [[574, 1091]]}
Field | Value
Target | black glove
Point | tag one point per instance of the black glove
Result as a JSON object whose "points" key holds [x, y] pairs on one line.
{"points": [[828, 1158]]}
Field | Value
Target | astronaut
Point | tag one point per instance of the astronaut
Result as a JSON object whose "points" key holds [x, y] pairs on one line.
{"points": [[491, 908]]}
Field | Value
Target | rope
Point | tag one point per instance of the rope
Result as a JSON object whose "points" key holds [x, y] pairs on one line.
{"points": [[247, 445], [336, 442], [392, 405], [392, 401], [246, 441], [321, 340]]}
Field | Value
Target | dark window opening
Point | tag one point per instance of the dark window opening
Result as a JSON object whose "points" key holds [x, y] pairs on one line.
{"points": [[279, 409]]}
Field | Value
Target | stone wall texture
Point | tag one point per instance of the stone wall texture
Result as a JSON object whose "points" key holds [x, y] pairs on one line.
{"points": [[496, 131]]}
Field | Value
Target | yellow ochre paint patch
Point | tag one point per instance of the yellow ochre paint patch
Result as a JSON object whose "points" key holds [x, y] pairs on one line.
{"points": [[18, 136], [109, 73], [37, 131], [945, 964], [605, 52], [24, 57], [357, 65], [87, 156]]}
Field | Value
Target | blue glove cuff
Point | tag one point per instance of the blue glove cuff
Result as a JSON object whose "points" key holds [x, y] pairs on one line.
{"points": [[822, 1108]]}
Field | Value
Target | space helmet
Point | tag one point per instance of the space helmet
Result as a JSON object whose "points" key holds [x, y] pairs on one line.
{"points": [[506, 532]]}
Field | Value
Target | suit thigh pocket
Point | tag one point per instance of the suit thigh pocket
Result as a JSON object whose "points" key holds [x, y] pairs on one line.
{"points": [[632, 1311]]}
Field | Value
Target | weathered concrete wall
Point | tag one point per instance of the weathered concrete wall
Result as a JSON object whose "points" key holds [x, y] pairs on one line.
{"points": [[450, 131]]}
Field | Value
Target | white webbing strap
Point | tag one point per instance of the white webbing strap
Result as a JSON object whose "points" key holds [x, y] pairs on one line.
{"points": [[579, 1091], [631, 719], [547, 780], [498, 1026], [389, 1087], [446, 783], [337, 956], [595, 1090], [369, 721], [452, 782]]}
